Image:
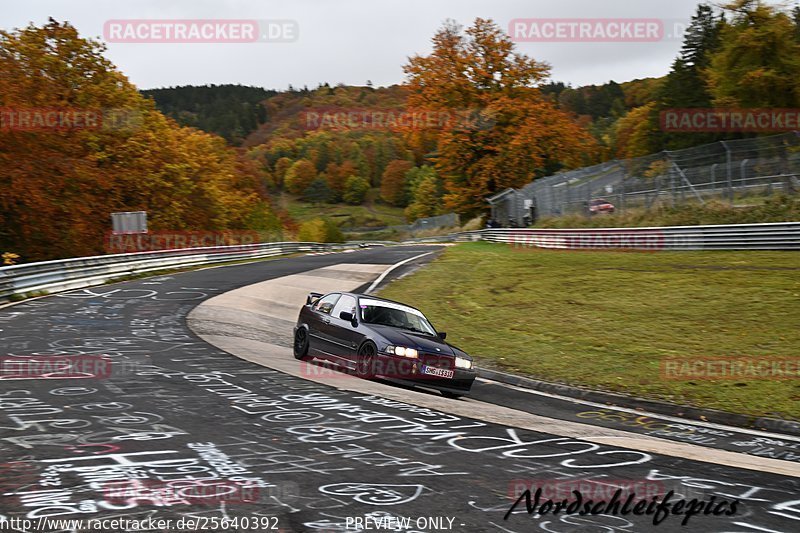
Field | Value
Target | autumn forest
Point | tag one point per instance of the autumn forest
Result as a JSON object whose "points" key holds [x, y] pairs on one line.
{"points": [[473, 117]]}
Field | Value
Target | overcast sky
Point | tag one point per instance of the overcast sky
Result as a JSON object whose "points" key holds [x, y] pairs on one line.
{"points": [[351, 41]]}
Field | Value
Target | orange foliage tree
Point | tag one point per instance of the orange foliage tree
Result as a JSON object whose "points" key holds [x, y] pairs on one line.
{"points": [[393, 182], [502, 132], [299, 176], [59, 185]]}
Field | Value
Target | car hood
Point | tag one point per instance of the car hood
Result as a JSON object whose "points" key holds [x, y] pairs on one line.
{"points": [[409, 339]]}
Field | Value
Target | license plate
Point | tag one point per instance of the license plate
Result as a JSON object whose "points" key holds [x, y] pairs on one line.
{"points": [[438, 372]]}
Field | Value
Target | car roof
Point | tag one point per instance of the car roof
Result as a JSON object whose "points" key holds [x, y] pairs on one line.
{"points": [[371, 297]]}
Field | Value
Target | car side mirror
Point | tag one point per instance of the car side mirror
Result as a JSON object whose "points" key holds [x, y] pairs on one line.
{"points": [[345, 315], [443, 335]]}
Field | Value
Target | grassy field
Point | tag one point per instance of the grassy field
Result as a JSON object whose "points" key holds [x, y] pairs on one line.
{"points": [[606, 320], [371, 215], [747, 210]]}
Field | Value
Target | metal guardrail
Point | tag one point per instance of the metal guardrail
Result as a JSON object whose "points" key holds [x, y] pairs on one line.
{"points": [[770, 236], [67, 274]]}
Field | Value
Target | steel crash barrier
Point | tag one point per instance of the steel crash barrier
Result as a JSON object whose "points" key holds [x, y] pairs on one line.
{"points": [[65, 274], [771, 236]]}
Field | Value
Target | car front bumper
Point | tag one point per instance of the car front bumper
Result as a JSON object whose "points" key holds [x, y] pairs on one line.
{"points": [[409, 372]]}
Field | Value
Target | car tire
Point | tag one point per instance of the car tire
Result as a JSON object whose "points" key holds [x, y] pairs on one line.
{"points": [[365, 360], [451, 395], [301, 344]]}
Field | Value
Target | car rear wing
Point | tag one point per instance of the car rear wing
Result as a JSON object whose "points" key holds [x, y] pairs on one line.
{"points": [[312, 297]]}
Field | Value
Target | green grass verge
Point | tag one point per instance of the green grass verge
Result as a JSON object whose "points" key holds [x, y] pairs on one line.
{"points": [[605, 320], [748, 210], [372, 215]]}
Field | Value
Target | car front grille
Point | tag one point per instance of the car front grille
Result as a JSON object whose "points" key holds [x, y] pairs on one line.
{"points": [[438, 361]]}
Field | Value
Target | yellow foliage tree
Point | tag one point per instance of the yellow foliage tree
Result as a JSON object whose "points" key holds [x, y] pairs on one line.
{"points": [[59, 185]]}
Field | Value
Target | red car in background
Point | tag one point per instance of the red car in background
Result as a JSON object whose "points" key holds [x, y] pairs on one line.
{"points": [[598, 206]]}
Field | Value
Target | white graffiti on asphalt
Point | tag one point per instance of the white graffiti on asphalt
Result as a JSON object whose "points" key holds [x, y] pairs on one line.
{"points": [[129, 294], [372, 494], [511, 446]]}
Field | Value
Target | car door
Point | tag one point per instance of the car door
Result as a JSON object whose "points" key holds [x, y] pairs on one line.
{"points": [[345, 337], [319, 323]]}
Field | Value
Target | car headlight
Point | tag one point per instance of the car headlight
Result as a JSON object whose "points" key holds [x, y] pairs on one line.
{"points": [[463, 363], [402, 351]]}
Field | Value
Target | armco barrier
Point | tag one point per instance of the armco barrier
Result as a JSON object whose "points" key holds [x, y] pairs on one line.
{"points": [[66, 274], [772, 236]]}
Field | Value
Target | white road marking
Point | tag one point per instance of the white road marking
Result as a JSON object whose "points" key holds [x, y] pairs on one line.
{"points": [[388, 270], [685, 421]]}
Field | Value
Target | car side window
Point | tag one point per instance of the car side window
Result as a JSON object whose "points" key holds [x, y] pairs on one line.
{"points": [[345, 303], [325, 305]]}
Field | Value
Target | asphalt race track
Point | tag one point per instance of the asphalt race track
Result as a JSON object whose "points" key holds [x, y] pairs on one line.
{"points": [[173, 417]]}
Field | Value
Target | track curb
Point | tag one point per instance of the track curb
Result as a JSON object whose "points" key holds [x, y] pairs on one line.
{"points": [[695, 414]]}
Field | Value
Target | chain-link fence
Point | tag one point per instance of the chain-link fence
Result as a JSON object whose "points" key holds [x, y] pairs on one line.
{"points": [[450, 220], [739, 171]]}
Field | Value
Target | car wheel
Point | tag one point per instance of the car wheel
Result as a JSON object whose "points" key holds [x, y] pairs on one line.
{"points": [[451, 395], [301, 344], [365, 364]]}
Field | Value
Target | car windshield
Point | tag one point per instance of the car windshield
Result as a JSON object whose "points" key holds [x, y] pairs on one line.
{"points": [[395, 315]]}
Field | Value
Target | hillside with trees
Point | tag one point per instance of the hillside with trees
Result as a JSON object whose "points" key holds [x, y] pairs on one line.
{"points": [[472, 118], [483, 137], [58, 186], [230, 111], [744, 54]]}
